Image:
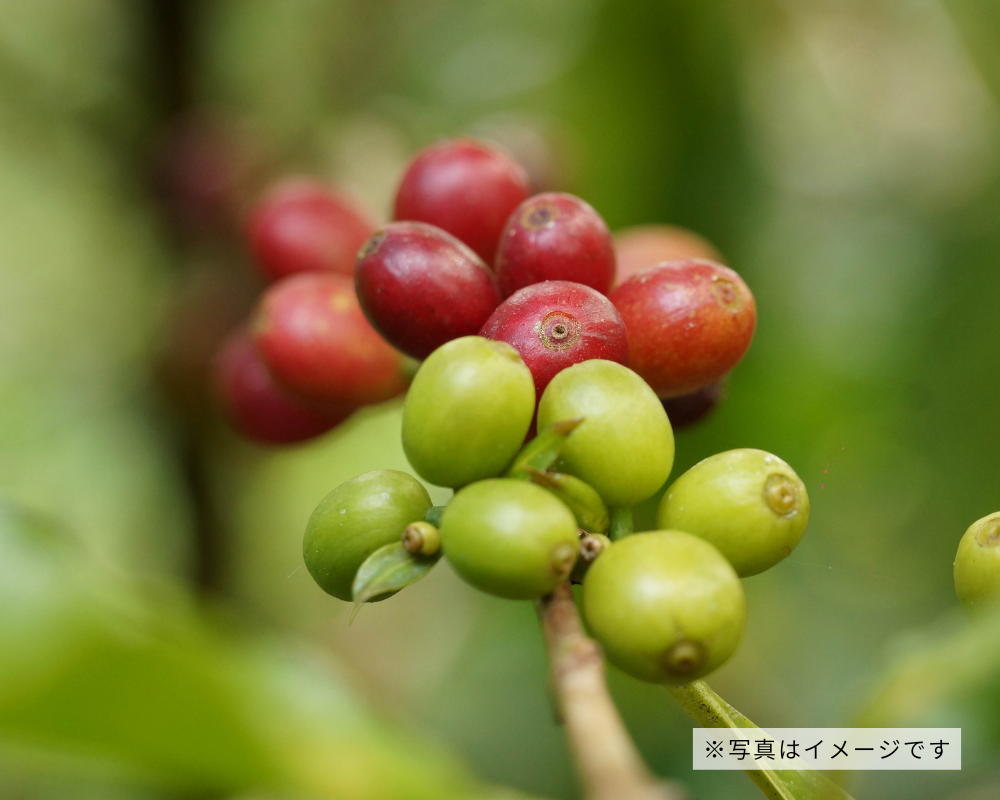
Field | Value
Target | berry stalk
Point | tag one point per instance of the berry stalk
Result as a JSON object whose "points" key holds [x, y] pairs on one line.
{"points": [[606, 759]]}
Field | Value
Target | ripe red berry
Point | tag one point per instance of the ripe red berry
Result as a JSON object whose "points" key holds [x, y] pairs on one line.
{"points": [[555, 237], [645, 246], [465, 187], [690, 408], [260, 409], [315, 340], [689, 323], [421, 287], [556, 324], [302, 225]]}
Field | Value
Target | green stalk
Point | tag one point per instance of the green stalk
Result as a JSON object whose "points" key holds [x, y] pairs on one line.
{"points": [[621, 523]]}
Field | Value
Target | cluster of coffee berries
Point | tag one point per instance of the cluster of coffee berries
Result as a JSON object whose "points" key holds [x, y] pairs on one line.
{"points": [[308, 357], [542, 400], [471, 253]]}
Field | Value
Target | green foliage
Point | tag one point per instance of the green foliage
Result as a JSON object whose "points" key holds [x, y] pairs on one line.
{"points": [[130, 677], [711, 711], [950, 670]]}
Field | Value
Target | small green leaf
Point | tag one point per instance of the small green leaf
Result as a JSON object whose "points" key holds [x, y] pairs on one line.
{"points": [[711, 711], [386, 571], [542, 451], [434, 515], [582, 499]]}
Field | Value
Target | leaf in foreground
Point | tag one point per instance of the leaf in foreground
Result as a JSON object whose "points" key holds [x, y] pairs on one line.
{"points": [[98, 672], [711, 711]]}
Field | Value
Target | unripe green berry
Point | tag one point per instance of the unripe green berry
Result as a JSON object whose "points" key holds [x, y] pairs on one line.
{"points": [[356, 519], [625, 447], [421, 538], [748, 503], [467, 411], [665, 606], [510, 538], [977, 565]]}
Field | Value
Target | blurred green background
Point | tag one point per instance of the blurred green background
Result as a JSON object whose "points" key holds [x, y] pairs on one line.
{"points": [[844, 156]]}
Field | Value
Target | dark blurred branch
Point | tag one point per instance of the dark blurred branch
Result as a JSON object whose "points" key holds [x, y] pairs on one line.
{"points": [[607, 761], [172, 29]]}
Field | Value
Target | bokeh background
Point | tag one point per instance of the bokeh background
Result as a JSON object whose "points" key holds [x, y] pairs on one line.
{"points": [[158, 636]]}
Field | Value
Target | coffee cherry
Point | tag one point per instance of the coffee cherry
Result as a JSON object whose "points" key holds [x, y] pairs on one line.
{"points": [[314, 338], [421, 287], [467, 412], [749, 504], [625, 447], [260, 409], [555, 237], [510, 538], [689, 323], [465, 187], [556, 324], [356, 519], [644, 246], [301, 225], [690, 408], [421, 538], [977, 565], [665, 606]]}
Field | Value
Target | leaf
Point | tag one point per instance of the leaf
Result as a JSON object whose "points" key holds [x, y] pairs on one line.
{"points": [[711, 711], [542, 451], [386, 571], [581, 498], [953, 663], [98, 673]]}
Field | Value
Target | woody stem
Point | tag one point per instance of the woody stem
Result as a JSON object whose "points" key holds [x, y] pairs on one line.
{"points": [[607, 761]]}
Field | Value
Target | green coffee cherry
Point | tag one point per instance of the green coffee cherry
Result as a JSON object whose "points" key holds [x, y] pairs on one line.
{"points": [[467, 411], [624, 447], [665, 606], [421, 538], [510, 538], [356, 519], [749, 504], [977, 565]]}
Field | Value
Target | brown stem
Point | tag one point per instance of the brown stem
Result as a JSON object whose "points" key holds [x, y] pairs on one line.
{"points": [[607, 761]]}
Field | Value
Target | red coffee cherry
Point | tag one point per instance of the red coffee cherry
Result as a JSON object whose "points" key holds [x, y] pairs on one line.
{"points": [[555, 237], [465, 187], [556, 324], [645, 246], [421, 287], [315, 340], [689, 323], [302, 225], [260, 409]]}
